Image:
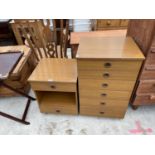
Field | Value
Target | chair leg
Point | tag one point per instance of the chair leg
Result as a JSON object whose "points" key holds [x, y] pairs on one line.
{"points": [[18, 119], [17, 91], [22, 120]]}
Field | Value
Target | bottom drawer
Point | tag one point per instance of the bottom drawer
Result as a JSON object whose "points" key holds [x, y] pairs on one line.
{"points": [[114, 112], [58, 109], [57, 102], [144, 99]]}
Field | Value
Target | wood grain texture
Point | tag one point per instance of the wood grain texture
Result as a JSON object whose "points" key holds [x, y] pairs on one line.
{"points": [[20, 74], [114, 65], [143, 31], [103, 102], [108, 74], [110, 24], [114, 112], [109, 48], [54, 82], [57, 102], [55, 70], [93, 84], [54, 86], [105, 94], [76, 36], [107, 70]]}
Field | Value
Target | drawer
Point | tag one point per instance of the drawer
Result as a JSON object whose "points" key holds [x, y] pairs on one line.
{"points": [[146, 87], [57, 102], [90, 84], [151, 58], [115, 112], [148, 73], [58, 109], [108, 23], [84, 101], [53, 86], [141, 99], [124, 22], [108, 75], [104, 94], [109, 65]]}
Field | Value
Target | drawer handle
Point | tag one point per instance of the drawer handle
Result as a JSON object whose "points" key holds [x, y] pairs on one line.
{"points": [[107, 65], [103, 103], [58, 111], [53, 87], [152, 97], [108, 22], [102, 112], [104, 94], [104, 85], [106, 75]]}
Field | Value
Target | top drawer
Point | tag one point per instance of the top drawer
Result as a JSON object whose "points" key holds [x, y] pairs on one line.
{"points": [[53, 86], [108, 65], [108, 23]]}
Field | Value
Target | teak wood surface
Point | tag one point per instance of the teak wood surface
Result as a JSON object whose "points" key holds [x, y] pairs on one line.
{"points": [[76, 36], [102, 63], [55, 70], [109, 48]]}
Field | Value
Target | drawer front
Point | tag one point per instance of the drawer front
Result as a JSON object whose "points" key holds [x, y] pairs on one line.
{"points": [[146, 87], [148, 74], [108, 75], [85, 101], [151, 58], [104, 94], [111, 65], [124, 22], [108, 23], [144, 99], [89, 84], [115, 112], [56, 109], [53, 86]]}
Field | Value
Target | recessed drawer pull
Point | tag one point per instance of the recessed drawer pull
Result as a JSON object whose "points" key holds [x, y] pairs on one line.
{"points": [[103, 103], [108, 22], [104, 85], [102, 112], [104, 94], [106, 75], [107, 65], [58, 111], [53, 87]]}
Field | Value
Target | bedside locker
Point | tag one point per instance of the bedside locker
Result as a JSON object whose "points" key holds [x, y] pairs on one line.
{"points": [[54, 82], [107, 71]]}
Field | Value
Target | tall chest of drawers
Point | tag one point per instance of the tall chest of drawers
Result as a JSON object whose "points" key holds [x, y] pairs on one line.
{"points": [[107, 71], [145, 92]]}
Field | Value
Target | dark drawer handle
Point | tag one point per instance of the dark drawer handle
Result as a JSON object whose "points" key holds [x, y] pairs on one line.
{"points": [[104, 85], [53, 87], [108, 22], [58, 111], [103, 103], [106, 75], [104, 94], [107, 65], [102, 112]]}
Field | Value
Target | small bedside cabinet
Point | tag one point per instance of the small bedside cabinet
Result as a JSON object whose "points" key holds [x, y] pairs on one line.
{"points": [[107, 71], [54, 82]]}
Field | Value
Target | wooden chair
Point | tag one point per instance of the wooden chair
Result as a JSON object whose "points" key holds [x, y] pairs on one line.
{"points": [[47, 38]]}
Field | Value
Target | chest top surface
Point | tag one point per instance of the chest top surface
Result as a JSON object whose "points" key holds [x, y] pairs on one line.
{"points": [[55, 70], [109, 48]]}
